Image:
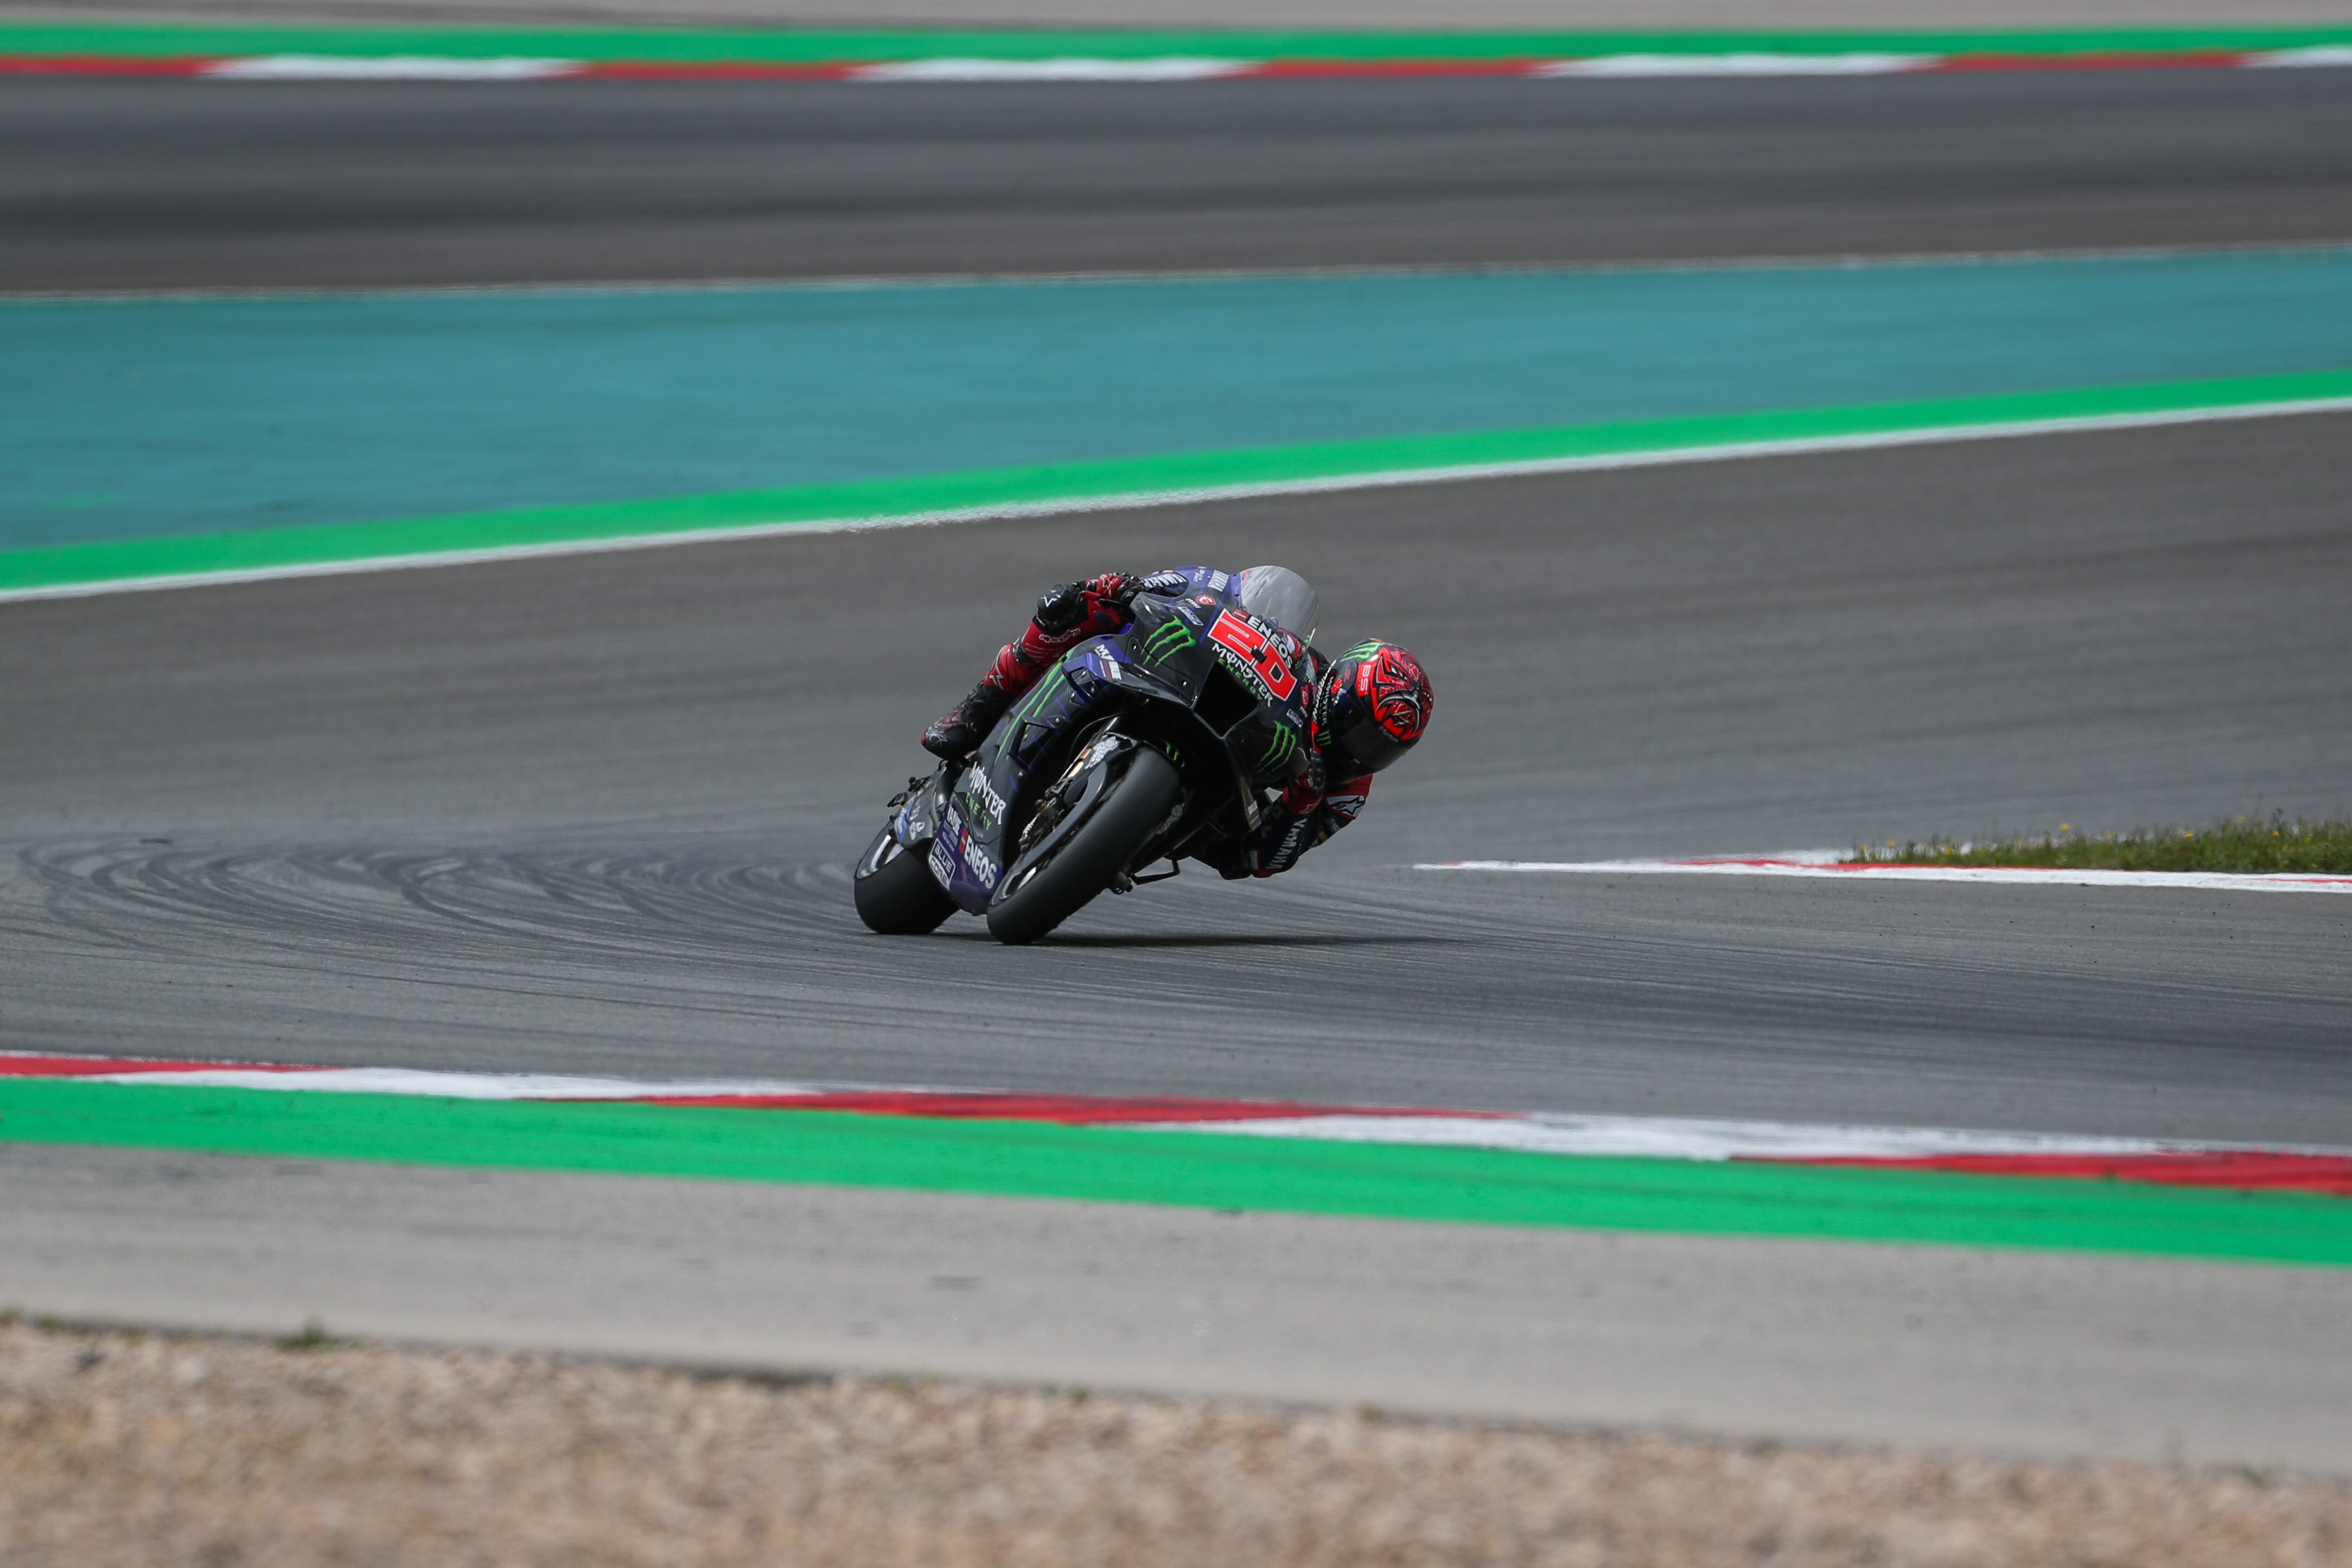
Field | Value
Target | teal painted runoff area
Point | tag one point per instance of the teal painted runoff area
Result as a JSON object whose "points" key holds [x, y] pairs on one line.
{"points": [[133, 418]]}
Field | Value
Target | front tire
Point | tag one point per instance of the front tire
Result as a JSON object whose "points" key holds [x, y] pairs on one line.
{"points": [[1135, 804], [896, 894]]}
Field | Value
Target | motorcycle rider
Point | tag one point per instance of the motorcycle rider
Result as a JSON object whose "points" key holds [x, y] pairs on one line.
{"points": [[1368, 707]]}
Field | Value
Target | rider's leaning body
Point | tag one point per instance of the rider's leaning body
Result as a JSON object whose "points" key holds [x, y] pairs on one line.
{"points": [[1368, 707]]}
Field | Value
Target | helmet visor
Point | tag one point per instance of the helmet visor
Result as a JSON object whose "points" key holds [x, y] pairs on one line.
{"points": [[1363, 742]]}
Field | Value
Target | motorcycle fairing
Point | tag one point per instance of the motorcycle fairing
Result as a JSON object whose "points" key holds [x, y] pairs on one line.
{"points": [[969, 855]]}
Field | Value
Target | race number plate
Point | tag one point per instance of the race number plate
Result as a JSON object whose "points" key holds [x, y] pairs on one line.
{"points": [[1257, 652]]}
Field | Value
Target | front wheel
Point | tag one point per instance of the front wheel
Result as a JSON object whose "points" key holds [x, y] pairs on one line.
{"points": [[896, 894], [1133, 806]]}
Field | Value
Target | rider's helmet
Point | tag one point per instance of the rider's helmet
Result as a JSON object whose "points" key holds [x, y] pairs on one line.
{"points": [[1370, 708], [1279, 595]]}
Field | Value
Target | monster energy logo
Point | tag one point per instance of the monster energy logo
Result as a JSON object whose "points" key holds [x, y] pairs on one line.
{"points": [[1032, 706], [1280, 748], [981, 801], [1173, 638]]}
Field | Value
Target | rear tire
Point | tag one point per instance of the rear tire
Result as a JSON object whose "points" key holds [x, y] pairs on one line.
{"points": [[896, 894], [1135, 804]]}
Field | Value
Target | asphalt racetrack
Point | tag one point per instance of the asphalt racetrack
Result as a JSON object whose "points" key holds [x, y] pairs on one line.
{"points": [[128, 184], [594, 814]]}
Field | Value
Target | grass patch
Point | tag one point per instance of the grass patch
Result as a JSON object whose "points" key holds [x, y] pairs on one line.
{"points": [[2239, 844], [312, 1336]]}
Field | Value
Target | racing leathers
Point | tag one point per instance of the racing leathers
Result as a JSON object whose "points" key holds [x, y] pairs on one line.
{"points": [[1312, 806]]}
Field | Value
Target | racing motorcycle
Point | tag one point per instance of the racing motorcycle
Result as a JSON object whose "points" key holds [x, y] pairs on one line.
{"points": [[1187, 723]]}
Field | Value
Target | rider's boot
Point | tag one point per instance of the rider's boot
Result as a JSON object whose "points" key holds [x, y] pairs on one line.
{"points": [[958, 732]]}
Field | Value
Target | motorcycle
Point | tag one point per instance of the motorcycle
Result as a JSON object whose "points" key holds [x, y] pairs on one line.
{"points": [[1129, 751]]}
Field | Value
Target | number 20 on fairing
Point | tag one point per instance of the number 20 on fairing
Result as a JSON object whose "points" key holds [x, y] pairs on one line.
{"points": [[1258, 650]]}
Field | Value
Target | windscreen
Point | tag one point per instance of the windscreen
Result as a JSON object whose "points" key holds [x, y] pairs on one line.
{"points": [[1277, 594]]}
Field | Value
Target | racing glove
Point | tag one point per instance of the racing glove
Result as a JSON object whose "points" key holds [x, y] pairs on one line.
{"points": [[1065, 606], [1061, 608], [1115, 588]]}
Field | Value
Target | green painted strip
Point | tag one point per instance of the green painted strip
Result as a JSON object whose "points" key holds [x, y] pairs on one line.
{"points": [[1123, 480], [822, 45], [1189, 1170]]}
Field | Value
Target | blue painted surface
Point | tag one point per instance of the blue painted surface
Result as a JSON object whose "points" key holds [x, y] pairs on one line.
{"points": [[140, 417]]}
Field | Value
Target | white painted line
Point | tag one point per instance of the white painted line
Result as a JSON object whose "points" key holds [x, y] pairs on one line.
{"points": [[1738, 65], [387, 67], [1552, 1132], [1819, 864], [2316, 54], [1138, 500], [1685, 1138], [900, 282], [446, 1085], [1170, 68]]}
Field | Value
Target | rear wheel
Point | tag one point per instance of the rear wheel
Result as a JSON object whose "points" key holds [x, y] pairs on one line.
{"points": [[1082, 865], [896, 892]]}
